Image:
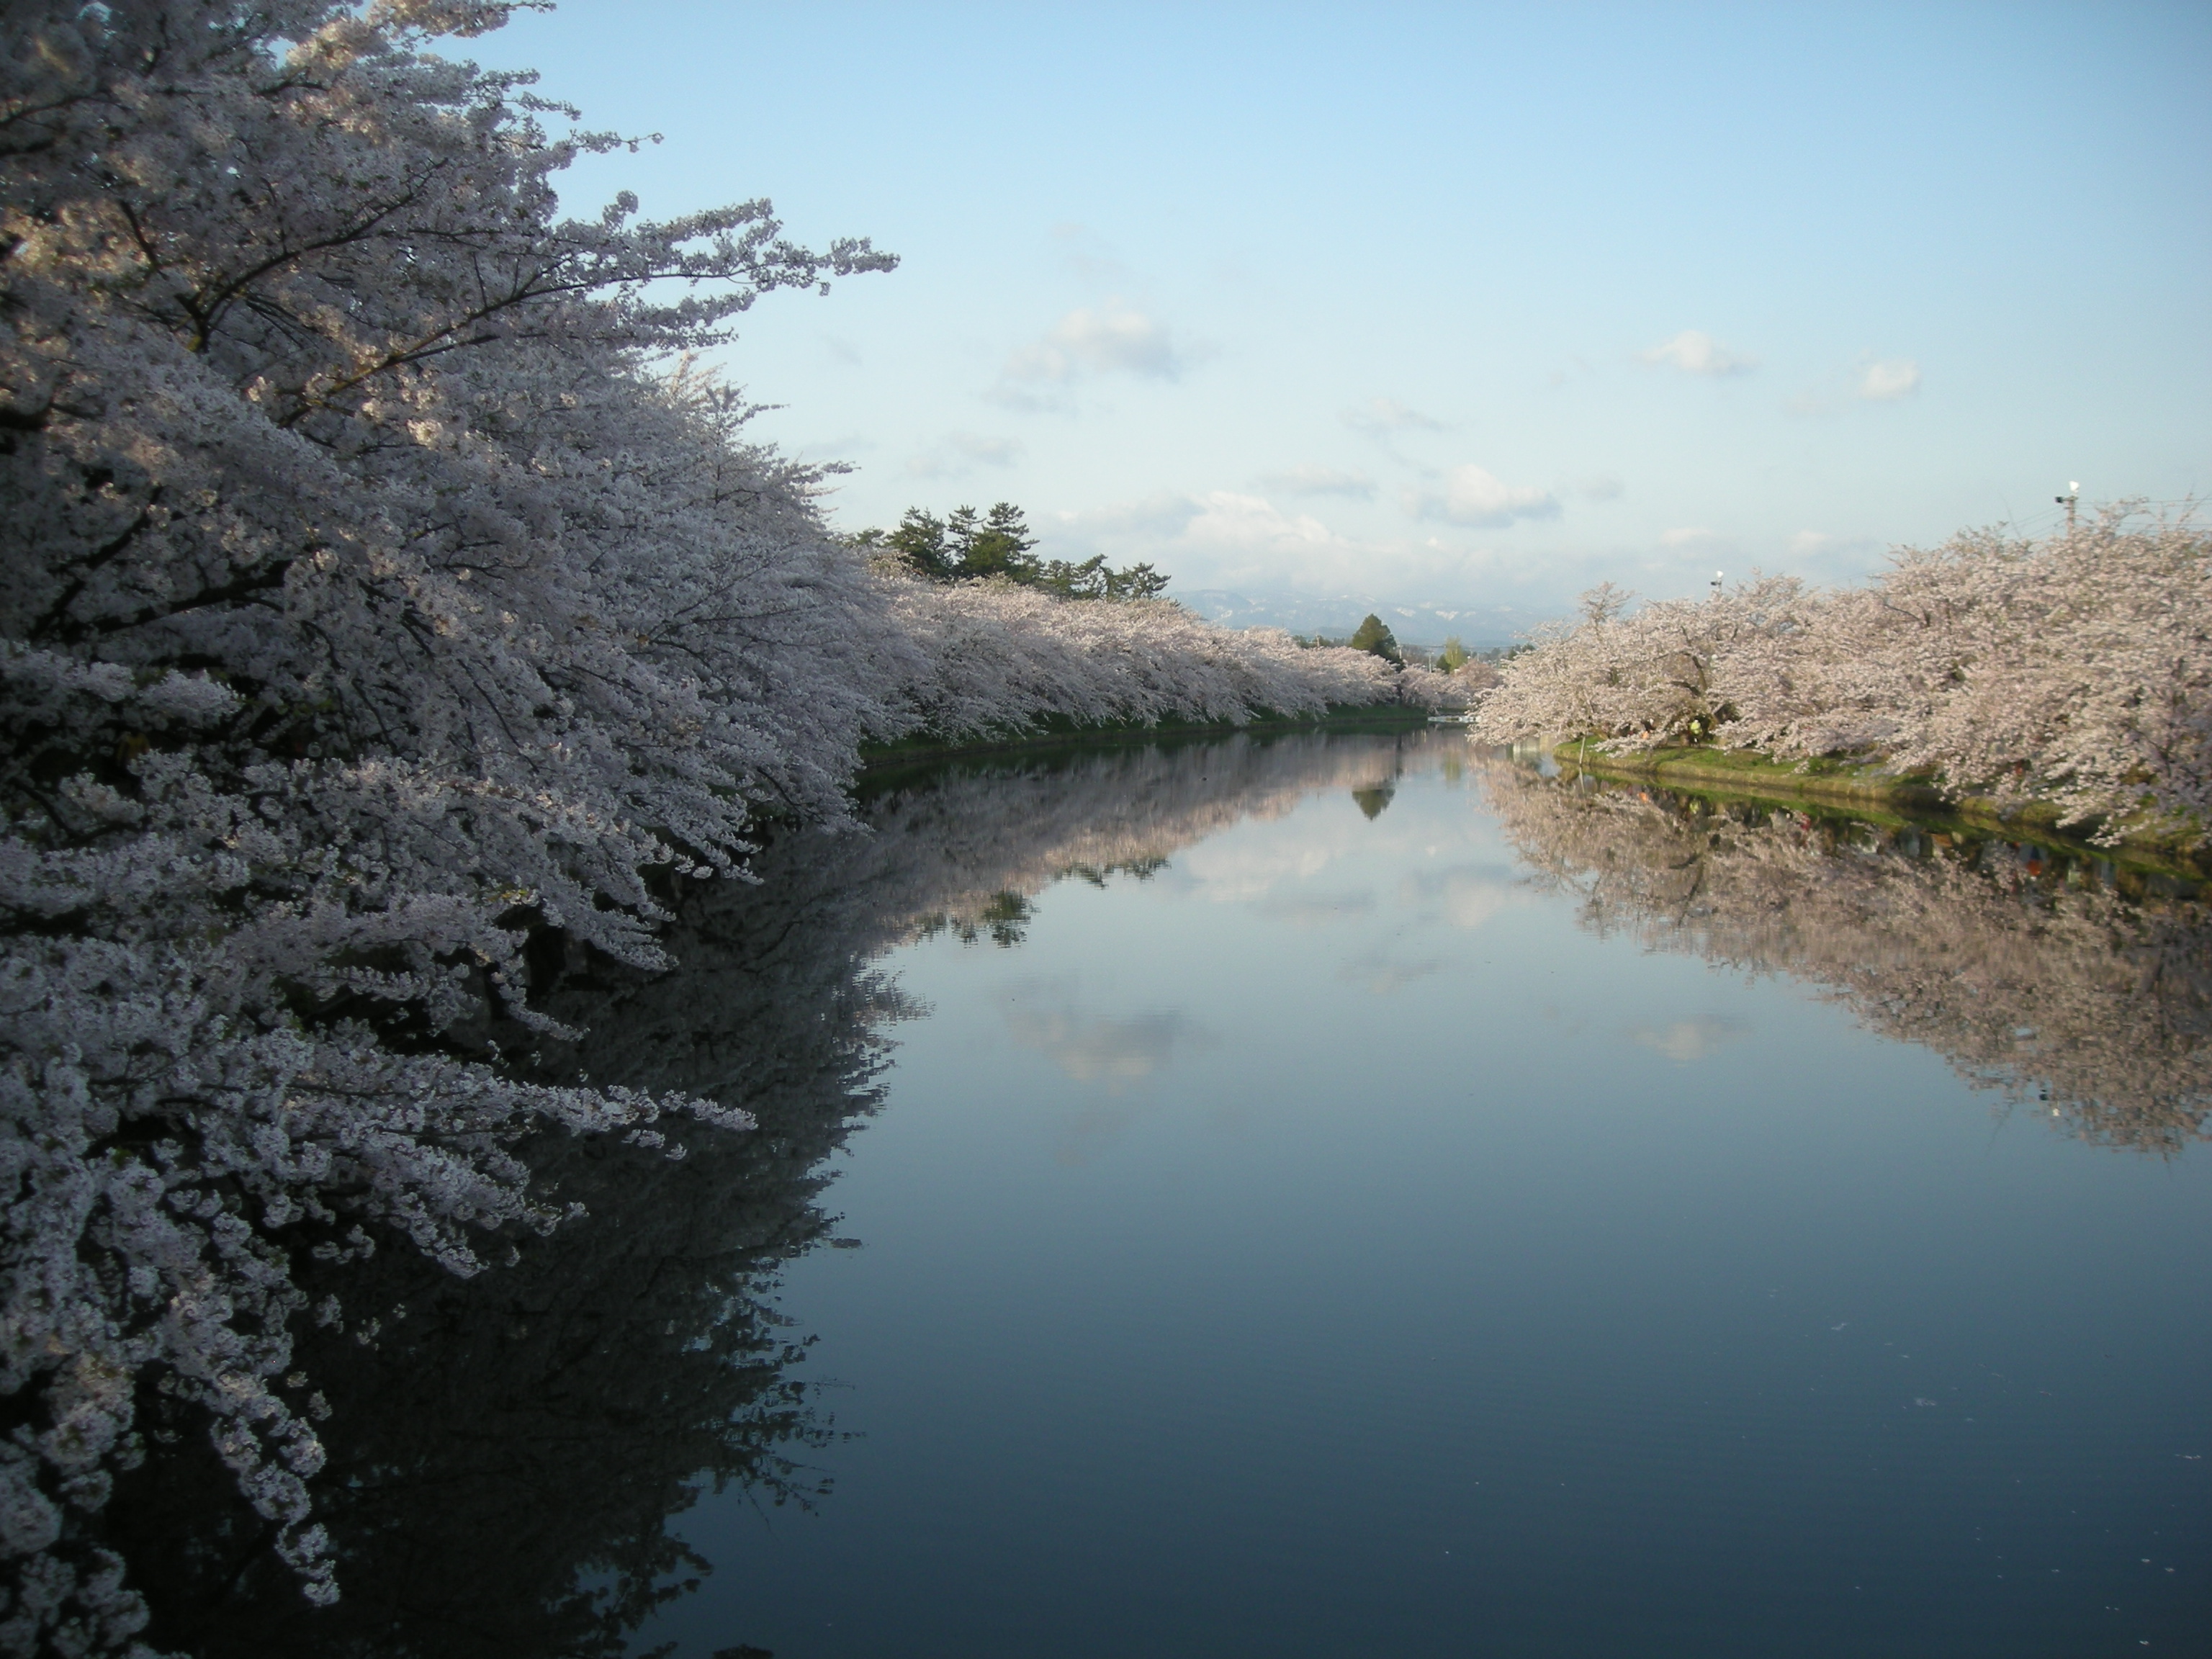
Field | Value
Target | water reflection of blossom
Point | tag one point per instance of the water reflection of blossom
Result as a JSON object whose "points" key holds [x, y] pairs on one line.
{"points": [[636, 1356], [2048, 977]]}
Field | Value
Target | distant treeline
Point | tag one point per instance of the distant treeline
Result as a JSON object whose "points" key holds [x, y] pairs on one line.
{"points": [[967, 546]]}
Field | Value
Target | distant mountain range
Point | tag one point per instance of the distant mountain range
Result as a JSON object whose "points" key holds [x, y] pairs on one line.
{"points": [[1478, 626]]}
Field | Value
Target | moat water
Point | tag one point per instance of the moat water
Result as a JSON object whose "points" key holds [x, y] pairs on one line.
{"points": [[1344, 1196], [1362, 1233]]}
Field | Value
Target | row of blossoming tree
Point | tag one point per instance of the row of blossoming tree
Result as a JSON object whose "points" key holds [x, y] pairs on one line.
{"points": [[377, 588], [2076, 670]]}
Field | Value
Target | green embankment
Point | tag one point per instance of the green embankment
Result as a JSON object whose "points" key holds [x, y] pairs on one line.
{"points": [[1058, 730], [1869, 793]]}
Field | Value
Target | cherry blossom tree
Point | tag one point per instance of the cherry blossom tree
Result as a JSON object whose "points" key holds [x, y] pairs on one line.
{"points": [[379, 582], [364, 595], [2076, 670], [997, 656]]}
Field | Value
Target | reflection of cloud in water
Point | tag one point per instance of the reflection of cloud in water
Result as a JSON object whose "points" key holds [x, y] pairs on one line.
{"points": [[1377, 973], [1304, 909], [1466, 896], [1113, 1051], [1689, 1039], [974, 832], [1244, 870], [1241, 872]]}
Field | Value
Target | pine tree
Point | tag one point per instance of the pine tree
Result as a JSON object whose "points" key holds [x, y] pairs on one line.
{"points": [[1372, 636]]}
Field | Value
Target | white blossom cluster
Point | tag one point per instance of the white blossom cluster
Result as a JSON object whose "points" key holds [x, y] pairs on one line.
{"points": [[371, 591], [995, 656], [2076, 670]]}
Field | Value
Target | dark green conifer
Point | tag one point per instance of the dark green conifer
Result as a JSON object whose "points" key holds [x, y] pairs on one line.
{"points": [[1372, 636]]}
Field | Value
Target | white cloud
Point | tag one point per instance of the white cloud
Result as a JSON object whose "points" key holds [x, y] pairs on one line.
{"points": [[1473, 497], [964, 452], [1220, 521], [1156, 517], [1227, 520], [1112, 339], [1696, 352], [1378, 415], [1252, 544], [1890, 378], [1309, 479], [1223, 537], [1688, 537], [1602, 487]]}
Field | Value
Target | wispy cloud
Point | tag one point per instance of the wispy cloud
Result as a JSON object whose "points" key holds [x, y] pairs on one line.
{"points": [[1245, 540], [1696, 352], [1160, 516], [1601, 487], [959, 452], [1830, 554], [1474, 497], [1220, 537], [1226, 520], [1874, 381], [1309, 479], [1380, 416], [1889, 379], [1088, 254], [1114, 339], [1689, 538]]}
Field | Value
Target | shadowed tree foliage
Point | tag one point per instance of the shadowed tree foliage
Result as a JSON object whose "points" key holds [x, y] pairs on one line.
{"points": [[510, 1455]]}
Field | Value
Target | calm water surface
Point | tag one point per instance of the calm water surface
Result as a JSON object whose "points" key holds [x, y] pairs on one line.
{"points": [[1383, 1203], [1322, 1197]]}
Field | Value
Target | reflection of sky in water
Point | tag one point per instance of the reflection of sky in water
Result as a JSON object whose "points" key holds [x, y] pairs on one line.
{"points": [[1689, 1039], [1327, 1247]]}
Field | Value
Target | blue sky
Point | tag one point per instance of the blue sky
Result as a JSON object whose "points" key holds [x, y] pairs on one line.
{"points": [[1458, 304]]}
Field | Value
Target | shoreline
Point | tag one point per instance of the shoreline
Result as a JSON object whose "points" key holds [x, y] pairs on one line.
{"points": [[1868, 791], [1059, 732]]}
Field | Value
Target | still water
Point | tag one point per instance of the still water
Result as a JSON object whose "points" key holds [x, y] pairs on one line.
{"points": [[1331, 1196], [1354, 1197]]}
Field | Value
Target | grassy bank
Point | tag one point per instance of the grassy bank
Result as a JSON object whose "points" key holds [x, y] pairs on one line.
{"points": [[1059, 730], [1868, 792]]}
